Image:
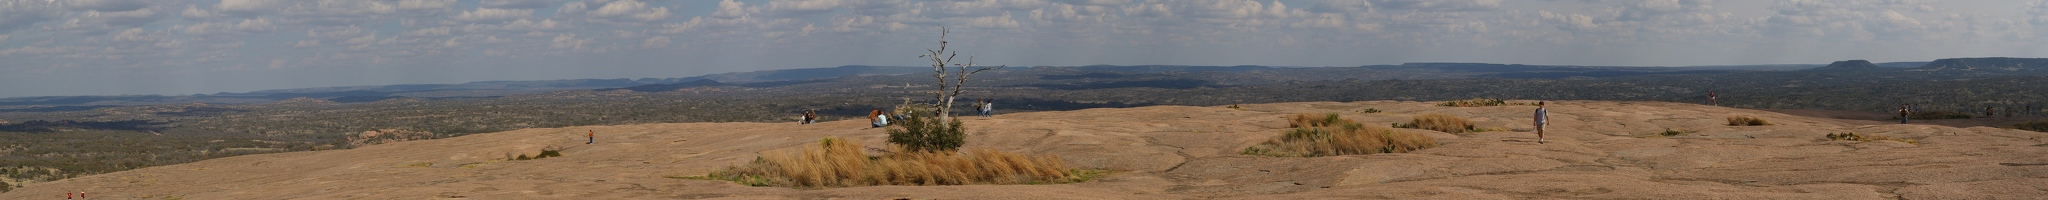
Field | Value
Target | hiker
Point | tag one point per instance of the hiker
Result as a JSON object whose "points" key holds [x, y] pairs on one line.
{"points": [[1542, 118], [878, 118], [810, 116], [977, 106], [1905, 111], [1988, 113], [593, 137], [988, 108], [1711, 98]]}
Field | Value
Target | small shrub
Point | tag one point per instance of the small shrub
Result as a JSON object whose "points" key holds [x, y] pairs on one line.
{"points": [[1331, 135], [837, 163], [1476, 102], [1234, 106], [1668, 132], [550, 151], [421, 164], [1861, 138], [1439, 122], [1747, 121], [1370, 110], [2038, 126], [920, 131]]}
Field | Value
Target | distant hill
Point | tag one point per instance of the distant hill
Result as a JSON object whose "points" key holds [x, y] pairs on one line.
{"points": [[1848, 65], [1987, 64]]}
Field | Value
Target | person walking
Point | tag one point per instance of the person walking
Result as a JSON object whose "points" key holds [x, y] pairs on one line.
{"points": [[1712, 99], [988, 108], [1542, 118], [1905, 112], [593, 137]]}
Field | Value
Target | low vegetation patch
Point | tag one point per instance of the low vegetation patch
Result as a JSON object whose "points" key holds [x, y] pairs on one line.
{"points": [[550, 151], [1370, 110], [1936, 114], [2039, 126], [1331, 135], [921, 131], [838, 163], [1477, 102], [1668, 132], [1863, 138], [1440, 122], [1747, 121]]}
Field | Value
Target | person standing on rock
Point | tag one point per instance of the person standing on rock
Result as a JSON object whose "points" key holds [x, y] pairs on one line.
{"points": [[988, 108], [1711, 98], [1542, 118], [1904, 113]]}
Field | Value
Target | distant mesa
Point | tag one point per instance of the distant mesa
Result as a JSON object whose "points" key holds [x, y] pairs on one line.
{"points": [[1849, 65]]}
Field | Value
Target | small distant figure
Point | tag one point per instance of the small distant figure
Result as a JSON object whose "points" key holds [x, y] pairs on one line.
{"points": [[877, 118], [1713, 99], [988, 108], [1988, 112], [1905, 111], [810, 116], [67, 195], [593, 137], [2008, 111], [1542, 118], [977, 106]]}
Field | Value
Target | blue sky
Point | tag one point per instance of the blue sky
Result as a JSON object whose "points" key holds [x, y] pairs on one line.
{"points": [[115, 47]]}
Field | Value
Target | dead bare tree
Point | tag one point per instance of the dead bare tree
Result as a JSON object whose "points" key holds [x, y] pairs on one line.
{"points": [[941, 59]]}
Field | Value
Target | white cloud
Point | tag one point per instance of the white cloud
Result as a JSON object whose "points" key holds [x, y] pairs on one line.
{"points": [[518, 4], [245, 26], [652, 42], [16, 15], [429, 32], [630, 10], [1437, 5], [106, 5], [802, 7], [249, 6], [426, 6], [94, 21], [493, 15]]}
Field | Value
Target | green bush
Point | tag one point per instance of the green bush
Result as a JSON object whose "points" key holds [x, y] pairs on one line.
{"points": [[1747, 121], [1937, 114], [919, 131]]}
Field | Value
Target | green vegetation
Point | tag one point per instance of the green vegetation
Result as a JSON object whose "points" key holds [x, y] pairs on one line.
{"points": [[1747, 121], [1863, 138], [550, 151], [1331, 135], [838, 163], [1440, 122], [1370, 110], [920, 131], [1476, 102]]}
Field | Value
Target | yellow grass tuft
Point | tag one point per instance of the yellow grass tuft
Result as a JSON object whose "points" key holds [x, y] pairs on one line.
{"points": [[1439, 122], [1747, 121], [1331, 135], [838, 163], [1476, 102]]}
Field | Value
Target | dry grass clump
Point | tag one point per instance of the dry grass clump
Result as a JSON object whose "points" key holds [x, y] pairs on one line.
{"points": [[838, 163], [1331, 135], [1476, 102], [1747, 121], [1862, 138], [1439, 122], [550, 151], [1668, 132]]}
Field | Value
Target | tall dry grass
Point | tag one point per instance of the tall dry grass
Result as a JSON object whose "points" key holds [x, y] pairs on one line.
{"points": [[1331, 135], [1475, 102], [1439, 122], [1747, 121], [838, 163]]}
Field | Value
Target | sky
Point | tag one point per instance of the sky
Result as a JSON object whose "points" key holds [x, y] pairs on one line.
{"points": [[174, 47]]}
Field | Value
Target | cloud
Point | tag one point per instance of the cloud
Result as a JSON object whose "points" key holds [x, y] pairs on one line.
{"points": [[1437, 5], [94, 21], [798, 8], [106, 5], [652, 42], [1341, 6], [493, 15], [15, 15], [518, 4], [249, 7], [246, 26], [627, 11], [426, 7]]}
